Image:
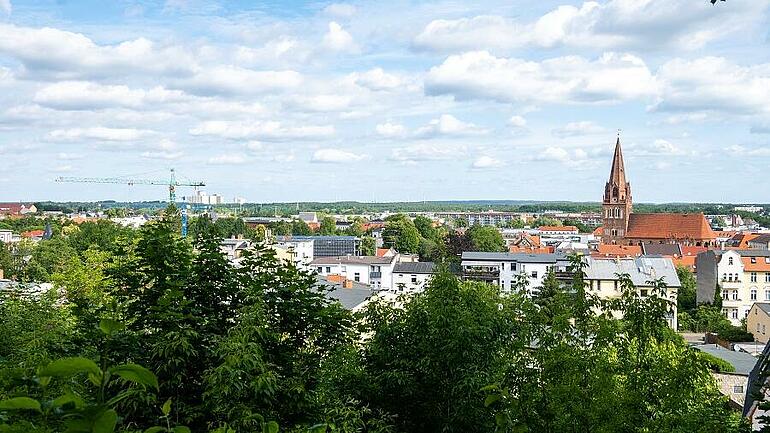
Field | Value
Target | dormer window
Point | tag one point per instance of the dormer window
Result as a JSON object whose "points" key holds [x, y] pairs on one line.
{"points": [[730, 261]]}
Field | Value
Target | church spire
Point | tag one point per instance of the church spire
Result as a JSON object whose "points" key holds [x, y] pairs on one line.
{"points": [[618, 171]]}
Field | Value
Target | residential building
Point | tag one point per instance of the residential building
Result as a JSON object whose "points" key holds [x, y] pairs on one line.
{"points": [[602, 278], [200, 197], [758, 321], [622, 226], [742, 275], [308, 217], [411, 276], [504, 269], [488, 218], [233, 248], [374, 271], [734, 384], [329, 246], [760, 242], [299, 252], [17, 209], [350, 294], [558, 230], [6, 236]]}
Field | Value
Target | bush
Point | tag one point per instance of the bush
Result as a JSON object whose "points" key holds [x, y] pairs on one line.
{"points": [[735, 334]]}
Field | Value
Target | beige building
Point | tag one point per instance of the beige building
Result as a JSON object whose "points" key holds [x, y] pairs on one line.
{"points": [[758, 321], [601, 278]]}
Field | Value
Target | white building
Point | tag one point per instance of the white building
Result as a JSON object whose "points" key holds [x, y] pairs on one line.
{"points": [[411, 276], [308, 217], [6, 236], [200, 197], [300, 252], [132, 221], [372, 270], [503, 269]]}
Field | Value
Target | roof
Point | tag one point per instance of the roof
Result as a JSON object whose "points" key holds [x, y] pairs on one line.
{"points": [[741, 361], [33, 234], [13, 208], [661, 249], [558, 229], [320, 238], [414, 268], [530, 250], [741, 240], [350, 298], [609, 250], [764, 306], [382, 252], [513, 257], [669, 226], [353, 260], [641, 269], [764, 238]]}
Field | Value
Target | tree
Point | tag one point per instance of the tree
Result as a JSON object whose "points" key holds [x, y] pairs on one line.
{"points": [[686, 297], [400, 233], [425, 226], [328, 226], [483, 238], [368, 246], [299, 227]]}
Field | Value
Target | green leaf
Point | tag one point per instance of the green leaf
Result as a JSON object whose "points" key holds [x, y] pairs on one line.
{"points": [[166, 408], [491, 399], [106, 422], [68, 398], [110, 326], [20, 403], [137, 374], [271, 427], [70, 367], [318, 428], [181, 429], [155, 429]]}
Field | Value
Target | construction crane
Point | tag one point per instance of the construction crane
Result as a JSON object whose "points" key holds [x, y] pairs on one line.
{"points": [[172, 183]]}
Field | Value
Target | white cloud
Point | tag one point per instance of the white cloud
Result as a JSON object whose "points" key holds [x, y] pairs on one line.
{"points": [[64, 168], [570, 158], [480, 75], [377, 79], [98, 133], [448, 125], [321, 103], [235, 80], [5, 6], [267, 131], [658, 147], [486, 162], [336, 156], [50, 52], [517, 122], [713, 84], [342, 10], [574, 129], [428, 152], [165, 155], [82, 95], [62, 156], [228, 159], [338, 39], [740, 150], [634, 24], [391, 130]]}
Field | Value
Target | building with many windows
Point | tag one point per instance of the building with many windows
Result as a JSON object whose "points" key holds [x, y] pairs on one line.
{"points": [[411, 276], [743, 277], [329, 246], [374, 271], [505, 269]]}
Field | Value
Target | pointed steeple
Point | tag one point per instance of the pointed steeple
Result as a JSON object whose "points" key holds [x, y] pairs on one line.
{"points": [[618, 171]]}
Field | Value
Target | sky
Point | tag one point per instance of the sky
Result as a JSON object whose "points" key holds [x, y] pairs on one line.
{"points": [[386, 100]]}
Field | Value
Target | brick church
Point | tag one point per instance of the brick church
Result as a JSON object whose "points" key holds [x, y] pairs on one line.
{"points": [[623, 227]]}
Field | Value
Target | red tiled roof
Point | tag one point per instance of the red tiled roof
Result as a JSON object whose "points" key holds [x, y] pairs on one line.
{"points": [[761, 265], [599, 231], [530, 250], [33, 234], [669, 226], [608, 250], [382, 251], [12, 208], [558, 229]]}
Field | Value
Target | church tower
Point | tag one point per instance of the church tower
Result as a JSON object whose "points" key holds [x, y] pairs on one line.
{"points": [[616, 206]]}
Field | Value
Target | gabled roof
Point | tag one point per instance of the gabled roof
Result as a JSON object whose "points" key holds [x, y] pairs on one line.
{"points": [[558, 229], [640, 269], [667, 226], [414, 268], [764, 239], [661, 249], [610, 250]]}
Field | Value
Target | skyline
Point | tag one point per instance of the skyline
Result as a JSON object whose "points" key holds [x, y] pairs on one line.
{"points": [[320, 101]]}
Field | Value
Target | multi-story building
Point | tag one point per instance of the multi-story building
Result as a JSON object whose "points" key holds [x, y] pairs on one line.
{"points": [[375, 271], [411, 276], [299, 252], [742, 275], [602, 278], [760, 242], [504, 269], [17, 209], [6, 236], [329, 246], [758, 321], [489, 218]]}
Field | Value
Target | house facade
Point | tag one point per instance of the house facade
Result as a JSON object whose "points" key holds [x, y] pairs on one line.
{"points": [[758, 321], [505, 269], [742, 275], [411, 277], [374, 271]]}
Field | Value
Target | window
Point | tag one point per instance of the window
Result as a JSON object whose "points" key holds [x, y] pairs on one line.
{"points": [[730, 261], [724, 277], [725, 295], [767, 295], [735, 298], [357, 276], [328, 269], [414, 279], [753, 260], [735, 314], [738, 389], [753, 294], [616, 284], [320, 269], [513, 266], [753, 277], [534, 274], [767, 277], [643, 293], [767, 259]]}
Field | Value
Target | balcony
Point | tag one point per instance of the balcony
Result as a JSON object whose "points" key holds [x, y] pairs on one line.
{"points": [[481, 274], [375, 275]]}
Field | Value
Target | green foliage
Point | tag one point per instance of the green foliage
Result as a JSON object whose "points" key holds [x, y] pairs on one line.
{"points": [[328, 226], [368, 246], [400, 233], [686, 295], [483, 238], [716, 364]]}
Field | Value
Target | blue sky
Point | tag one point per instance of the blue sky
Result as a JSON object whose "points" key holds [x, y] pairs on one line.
{"points": [[386, 101]]}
